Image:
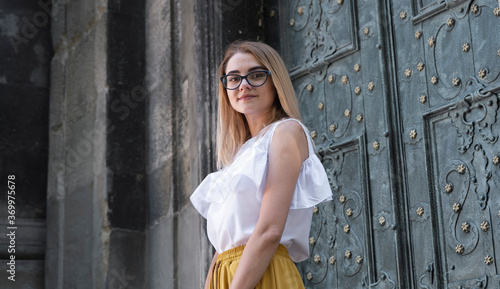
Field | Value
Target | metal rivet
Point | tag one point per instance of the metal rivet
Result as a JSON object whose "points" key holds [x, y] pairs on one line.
{"points": [[310, 87], [402, 15], [456, 81], [366, 31], [413, 134], [420, 66], [450, 22], [498, 52], [381, 221], [313, 134], [496, 11], [456, 207], [359, 259], [347, 229], [347, 113], [488, 260], [348, 254], [465, 227], [466, 47], [340, 2], [315, 210], [344, 79], [448, 188], [342, 199], [321, 106], [371, 86], [376, 145], [408, 72], [300, 10], [485, 226], [482, 73], [434, 80], [357, 90], [272, 13], [359, 117], [332, 127], [357, 67], [495, 160], [418, 34], [292, 22], [317, 258], [348, 212], [331, 260], [330, 78], [312, 241], [420, 211], [461, 169], [474, 9], [431, 41], [423, 98], [309, 276], [459, 249]]}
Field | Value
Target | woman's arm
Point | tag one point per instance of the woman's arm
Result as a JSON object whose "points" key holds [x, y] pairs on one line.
{"points": [[210, 270], [287, 152]]}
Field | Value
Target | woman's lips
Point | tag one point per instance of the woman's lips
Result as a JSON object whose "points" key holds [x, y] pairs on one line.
{"points": [[247, 96]]}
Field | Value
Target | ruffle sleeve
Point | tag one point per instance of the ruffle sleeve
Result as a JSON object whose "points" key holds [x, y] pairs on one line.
{"points": [[312, 185]]}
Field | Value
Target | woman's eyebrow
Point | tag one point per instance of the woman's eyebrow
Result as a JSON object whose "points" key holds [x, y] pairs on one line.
{"points": [[251, 69]]}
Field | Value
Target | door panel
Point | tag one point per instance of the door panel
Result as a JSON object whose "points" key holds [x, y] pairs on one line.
{"points": [[333, 51], [448, 114]]}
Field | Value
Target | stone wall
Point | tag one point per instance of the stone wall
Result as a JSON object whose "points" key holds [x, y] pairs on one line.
{"points": [[25, 54], [131, 134]]}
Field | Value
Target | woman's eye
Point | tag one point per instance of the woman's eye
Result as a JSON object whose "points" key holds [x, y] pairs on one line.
{"points": [[258, 75], [233, 79]]}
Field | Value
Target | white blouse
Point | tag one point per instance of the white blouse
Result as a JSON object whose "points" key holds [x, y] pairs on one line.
{"points": [[230, 199]]}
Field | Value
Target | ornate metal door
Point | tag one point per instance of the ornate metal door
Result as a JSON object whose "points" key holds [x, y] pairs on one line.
{"points": [[401, 98]]}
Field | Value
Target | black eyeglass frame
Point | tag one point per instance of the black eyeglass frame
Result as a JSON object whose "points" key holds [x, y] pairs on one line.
{"points": [[224, 83]]}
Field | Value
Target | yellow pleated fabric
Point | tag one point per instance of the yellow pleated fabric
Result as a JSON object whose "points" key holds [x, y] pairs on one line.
{"points": [[280, 274]]}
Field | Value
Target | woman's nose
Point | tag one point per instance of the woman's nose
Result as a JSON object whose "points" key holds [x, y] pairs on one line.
{"points": [[244, 82]]}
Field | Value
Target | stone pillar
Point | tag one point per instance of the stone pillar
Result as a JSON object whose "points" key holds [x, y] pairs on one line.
{"points": [[77, 226], [181, 137]]}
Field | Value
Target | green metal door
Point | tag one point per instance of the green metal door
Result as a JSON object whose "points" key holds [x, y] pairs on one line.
{"points": [[401, 98]]}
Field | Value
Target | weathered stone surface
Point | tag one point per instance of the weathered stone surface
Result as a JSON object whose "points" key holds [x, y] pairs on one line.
{"points": [[162, 255], [76, 222], [126, 259], [29, 275]]}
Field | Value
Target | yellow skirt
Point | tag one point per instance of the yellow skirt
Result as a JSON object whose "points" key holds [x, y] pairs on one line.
{"points": [[280, 274]]}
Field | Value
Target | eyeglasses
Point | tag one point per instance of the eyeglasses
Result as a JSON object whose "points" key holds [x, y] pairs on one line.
{"points": [[254, 78]]}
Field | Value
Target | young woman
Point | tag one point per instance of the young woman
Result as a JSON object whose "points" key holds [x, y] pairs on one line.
{"points": [[259, 205]]}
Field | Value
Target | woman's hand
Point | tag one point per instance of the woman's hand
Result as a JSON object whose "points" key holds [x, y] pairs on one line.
{"points": [[287, 152]]}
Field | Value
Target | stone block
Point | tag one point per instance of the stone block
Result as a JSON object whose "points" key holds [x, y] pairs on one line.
{"points": [[126, 142], [127, 201], [159, 193], [126, 48], [162, 257], [25, 35], [192, 259], [127, 255]]}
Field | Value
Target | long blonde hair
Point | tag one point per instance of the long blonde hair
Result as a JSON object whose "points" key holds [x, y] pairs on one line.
{"points": [[232, 127]]}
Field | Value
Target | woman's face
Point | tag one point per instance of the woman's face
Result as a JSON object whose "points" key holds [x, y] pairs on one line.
{"points": [[251, 101]]}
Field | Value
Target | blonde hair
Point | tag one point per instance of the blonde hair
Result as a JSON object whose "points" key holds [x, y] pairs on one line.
{"points": [[232, 127]]}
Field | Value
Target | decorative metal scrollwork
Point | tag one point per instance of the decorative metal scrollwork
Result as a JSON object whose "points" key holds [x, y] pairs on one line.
{"points": [[484, 106], [384, 282], [461, 243]]}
